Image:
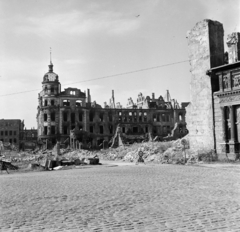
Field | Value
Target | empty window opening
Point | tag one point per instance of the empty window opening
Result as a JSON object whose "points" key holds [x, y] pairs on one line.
{"points": [[6, 132], [45, 117], [146, 129], [145, 116], [72, 117], [53, 117], [110, 129], [80, 116], [154, 130], [91, 116], [101, 117], [110, 117], [65, 116], [66, 102], [72, 127], [120, 113], [45, 102], [154, 118], [163, 118], [65, 130], [91, 129], [15, 140], [45, 130], [135, 129], [14, 132], [1, 132], [78, 103], [123, 129], [10, 132], [164, 130], [10, 140], [53, 130], [80, 127], [167, 117], [52, 90], [101, 129], [180, 117], [72, 93], [52, 102]]}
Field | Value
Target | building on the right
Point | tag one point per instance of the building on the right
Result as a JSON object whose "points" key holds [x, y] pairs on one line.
{"points": [[213, 115]]}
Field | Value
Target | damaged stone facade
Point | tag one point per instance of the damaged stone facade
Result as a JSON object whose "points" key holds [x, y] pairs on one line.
{"points": [[214, 112], [60, 112]]}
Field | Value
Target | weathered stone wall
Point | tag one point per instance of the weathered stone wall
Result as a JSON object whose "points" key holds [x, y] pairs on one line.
{"points": [[206, 50]]}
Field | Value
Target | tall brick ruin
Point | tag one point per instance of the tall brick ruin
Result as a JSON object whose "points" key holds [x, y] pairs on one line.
{"points": [[206, 51]]}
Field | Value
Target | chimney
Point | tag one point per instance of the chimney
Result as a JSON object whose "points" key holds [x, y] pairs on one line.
{"points": [[153, 96], [88, 96], [233, 43], [105, 104]]}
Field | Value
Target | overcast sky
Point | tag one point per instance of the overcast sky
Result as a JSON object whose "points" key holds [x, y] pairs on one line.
{"points": [[92, 39]]}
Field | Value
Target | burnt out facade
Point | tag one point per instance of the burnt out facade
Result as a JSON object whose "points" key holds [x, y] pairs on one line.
{"points": [[60, 112]]}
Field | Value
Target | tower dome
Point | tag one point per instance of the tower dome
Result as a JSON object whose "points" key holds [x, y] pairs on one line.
{"points": [[50, 76]]}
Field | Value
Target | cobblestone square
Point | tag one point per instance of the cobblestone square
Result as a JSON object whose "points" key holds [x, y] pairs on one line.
{"points": [[123, 198]]}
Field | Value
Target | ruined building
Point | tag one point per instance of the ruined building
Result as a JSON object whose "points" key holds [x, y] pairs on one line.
{"points": [[213, 115], [62, 112]]}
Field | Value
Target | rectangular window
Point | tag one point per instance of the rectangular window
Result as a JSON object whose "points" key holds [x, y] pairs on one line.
{"points": [[10, 132], [110, 129], [53, 116], [91, 116], [1, 132], [52, 90], [66, 103], [80, 116], [6, 132], [123, 129], [45, 117], [101, 129], [45, 130], [146, 129], [14, 132], [91, 129], [135, 129], [65, 130], [72, 117], [163, 118], [10, 140], [52, 102], [15, 140], [65, 116], [53, 130]]}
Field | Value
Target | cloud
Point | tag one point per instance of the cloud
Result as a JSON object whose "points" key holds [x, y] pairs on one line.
{"points": [[78, 23]]}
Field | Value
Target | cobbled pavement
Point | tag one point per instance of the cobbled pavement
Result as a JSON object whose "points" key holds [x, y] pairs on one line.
{"points": [[124, 198]]}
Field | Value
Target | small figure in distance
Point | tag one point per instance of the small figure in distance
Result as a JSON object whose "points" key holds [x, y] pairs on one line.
{"points": [[140, 157]]}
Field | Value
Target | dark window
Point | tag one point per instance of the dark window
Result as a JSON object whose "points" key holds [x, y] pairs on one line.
{"points": [[135, 129], [53, 130], [101, 129], [6, 132], [110, 129], [91, 116], [167, 117], [154, 130], [80, 127], [53, 116], [163, 118], [52, 90], [110, 117], [15, 140], [154, 118], [10, 140], [45, 130], [146, 129], [101, 117], [123, 129], [91, 129], [72, 117], [45, 103], [52, 102], [65, 116], [65, 130], [164, 130], [14, 132], [1, 132], [10, 132], [72, 127], [80, 116], [45, 117]]}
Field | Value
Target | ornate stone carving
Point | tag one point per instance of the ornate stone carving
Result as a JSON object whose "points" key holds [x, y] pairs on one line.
{"points": [[225, 82], [236, 80], [230, 98]]}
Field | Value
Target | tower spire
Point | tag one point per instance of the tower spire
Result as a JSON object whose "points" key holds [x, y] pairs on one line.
{"points": [[51, 65]]}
